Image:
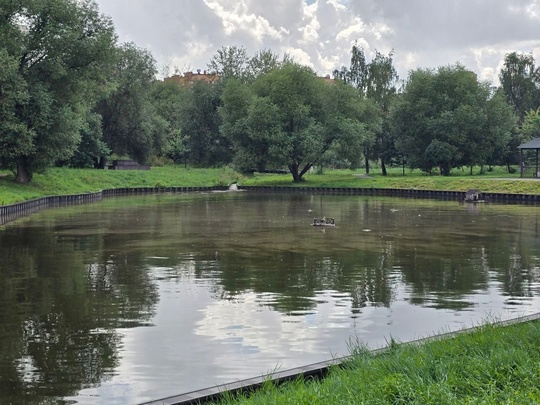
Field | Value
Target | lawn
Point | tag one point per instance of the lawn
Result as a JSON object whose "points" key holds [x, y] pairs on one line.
{"points": [[63, 181]]}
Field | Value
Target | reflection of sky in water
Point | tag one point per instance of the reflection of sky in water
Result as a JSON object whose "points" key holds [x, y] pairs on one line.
{"points": [[204, 341], [210, 328]]}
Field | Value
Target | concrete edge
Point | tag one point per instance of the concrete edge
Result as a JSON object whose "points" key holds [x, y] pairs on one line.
{"points": [[316, 370]]}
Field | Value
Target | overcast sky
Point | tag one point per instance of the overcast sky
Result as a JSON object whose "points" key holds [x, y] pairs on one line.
{"points": [[319, 33]]}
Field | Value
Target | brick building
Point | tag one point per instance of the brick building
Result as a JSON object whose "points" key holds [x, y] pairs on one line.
{"points": [[188, 78]]}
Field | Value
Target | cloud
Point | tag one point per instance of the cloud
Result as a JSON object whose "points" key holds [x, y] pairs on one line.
{"points": [[320, 33]]}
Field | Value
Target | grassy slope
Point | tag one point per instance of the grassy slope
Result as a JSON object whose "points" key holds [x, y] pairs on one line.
{"points": [[61, 181]]}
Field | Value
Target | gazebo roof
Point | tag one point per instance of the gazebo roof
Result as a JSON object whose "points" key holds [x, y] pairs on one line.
{"points": [[532, 144]]}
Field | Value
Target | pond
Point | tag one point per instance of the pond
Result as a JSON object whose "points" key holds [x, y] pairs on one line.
{"points": [[135, 299]]}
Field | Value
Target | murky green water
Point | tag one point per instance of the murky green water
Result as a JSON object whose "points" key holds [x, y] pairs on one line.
{"points": [[134, 299]]}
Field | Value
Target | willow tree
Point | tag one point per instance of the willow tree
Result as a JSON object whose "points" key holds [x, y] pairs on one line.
{"points": [[56, 54], [290, 118]]}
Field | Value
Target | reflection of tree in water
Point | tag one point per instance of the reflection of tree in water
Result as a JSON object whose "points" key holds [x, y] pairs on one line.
{"points": [[442, 255], [296, 278], [64, 291], [466, 259], [59, 307], [513, 256]]}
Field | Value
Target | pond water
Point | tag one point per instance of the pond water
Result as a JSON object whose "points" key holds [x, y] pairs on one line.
{"points": [[135, 299]]}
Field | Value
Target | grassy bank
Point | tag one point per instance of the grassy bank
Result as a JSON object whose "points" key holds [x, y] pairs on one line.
{"points": [[497, 181], [62, 181], [494, 365]]}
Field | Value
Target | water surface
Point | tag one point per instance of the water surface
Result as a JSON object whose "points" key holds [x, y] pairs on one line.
{"points": [[133, 299]]}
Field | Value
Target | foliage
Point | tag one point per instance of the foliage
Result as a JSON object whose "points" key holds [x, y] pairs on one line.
{"points": [[289, 117], [233, 62], [201, 138], [376, 80], [520, 81], [530, 127], [92, 145], [168, 101], [56, 54], [450, 106], [229, 62], [130, 125]]}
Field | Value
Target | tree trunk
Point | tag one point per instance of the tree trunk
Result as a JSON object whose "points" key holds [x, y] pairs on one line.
{"points": [[297, 177], [23, 174], [101, 163], [366, 159], [383, 167]]}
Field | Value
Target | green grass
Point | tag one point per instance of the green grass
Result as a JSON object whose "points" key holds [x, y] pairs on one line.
{"points": [[498, 181], [63, 181], [493, 365]]}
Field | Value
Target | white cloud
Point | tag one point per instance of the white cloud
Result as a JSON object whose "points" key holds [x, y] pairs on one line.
{"points": [[352, 31], [318, 33]]}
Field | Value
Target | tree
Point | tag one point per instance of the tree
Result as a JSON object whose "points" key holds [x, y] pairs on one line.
{"points": [[130, 125], [376, 80], [200, 119], [56, 54], [501, 123], [447, 118], [290, 117], [168, 99], [531, 126], [229, 62], [92, 145], [15, 136], [520, 80], [381, 88]]}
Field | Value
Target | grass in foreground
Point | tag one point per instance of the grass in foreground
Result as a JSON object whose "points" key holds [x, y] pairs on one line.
{"points": [[494, 365]]}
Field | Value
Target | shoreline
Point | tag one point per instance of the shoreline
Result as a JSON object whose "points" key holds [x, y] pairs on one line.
{"points": [[14, 211]]}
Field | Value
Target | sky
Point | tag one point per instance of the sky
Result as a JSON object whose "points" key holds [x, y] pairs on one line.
{"points": [[183, 35]]}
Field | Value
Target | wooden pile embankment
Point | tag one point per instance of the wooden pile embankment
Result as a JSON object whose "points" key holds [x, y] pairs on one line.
{"points": [[13, 211]]}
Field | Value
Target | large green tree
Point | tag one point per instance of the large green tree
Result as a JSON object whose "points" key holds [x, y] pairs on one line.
{"points": [[130, 125], [204, 144], [233, 62], [56, 55], [290, 117], [376, 80], [447, 118], [520, 84], [229, 62], [520, 81], [168, 100]]}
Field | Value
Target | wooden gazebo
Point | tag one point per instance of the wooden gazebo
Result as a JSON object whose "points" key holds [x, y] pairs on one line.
{"points": [[529, 167]]}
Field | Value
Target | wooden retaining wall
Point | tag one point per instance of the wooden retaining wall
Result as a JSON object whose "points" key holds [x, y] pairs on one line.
{"points": [[506, 198], [13, 211]]}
